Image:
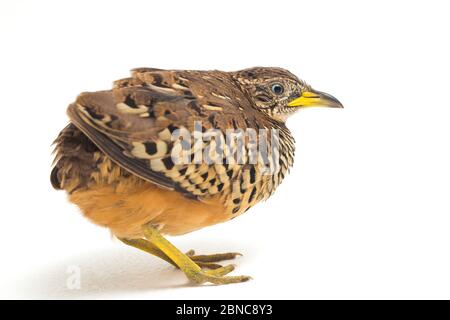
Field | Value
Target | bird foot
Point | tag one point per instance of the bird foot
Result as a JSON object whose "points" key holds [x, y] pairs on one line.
{"points": [[217, 272], [190, 263]]}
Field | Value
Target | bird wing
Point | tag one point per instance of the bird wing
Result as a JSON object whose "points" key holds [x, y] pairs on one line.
{"points": [[133, 125]]}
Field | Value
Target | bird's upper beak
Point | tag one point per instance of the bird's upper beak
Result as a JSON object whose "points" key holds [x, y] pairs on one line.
{"points": [[315, 98]]}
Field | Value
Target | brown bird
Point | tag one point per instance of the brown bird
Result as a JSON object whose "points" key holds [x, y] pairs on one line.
{"points": [[173, 151]]}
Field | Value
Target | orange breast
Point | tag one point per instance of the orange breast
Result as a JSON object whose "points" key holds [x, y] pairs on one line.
{"points": [[125, 206]]}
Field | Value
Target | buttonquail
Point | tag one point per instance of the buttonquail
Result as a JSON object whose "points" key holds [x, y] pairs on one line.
{"points": [[173, 151]]}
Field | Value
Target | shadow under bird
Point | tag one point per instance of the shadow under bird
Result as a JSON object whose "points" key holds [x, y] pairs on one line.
{"points": [[119, 157]]}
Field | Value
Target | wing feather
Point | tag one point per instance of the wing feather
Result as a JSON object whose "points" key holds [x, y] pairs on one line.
{"points": [[133, 124]]}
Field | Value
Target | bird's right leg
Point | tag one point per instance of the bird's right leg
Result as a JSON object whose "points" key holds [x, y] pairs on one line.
{"points": [[192, 270], [148, 247]]}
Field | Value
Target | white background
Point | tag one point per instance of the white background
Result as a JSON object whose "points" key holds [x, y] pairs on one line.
{"points": [[365, 212]]}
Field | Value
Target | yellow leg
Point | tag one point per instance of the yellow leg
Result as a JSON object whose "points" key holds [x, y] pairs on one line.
{"points": [[189, 267], [148, 247], [202, 261]]}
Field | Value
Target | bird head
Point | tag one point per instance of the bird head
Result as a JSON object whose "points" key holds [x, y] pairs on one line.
{"points": [[279, 94]]}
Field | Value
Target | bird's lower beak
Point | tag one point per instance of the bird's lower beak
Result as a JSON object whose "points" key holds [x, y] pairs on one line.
{"points": [[315, 99]]}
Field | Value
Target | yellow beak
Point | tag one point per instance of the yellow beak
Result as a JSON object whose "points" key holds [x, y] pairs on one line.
{"points": [[315, 99]]}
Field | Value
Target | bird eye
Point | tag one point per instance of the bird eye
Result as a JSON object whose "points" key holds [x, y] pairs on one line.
{"points": [[277, 88]]}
